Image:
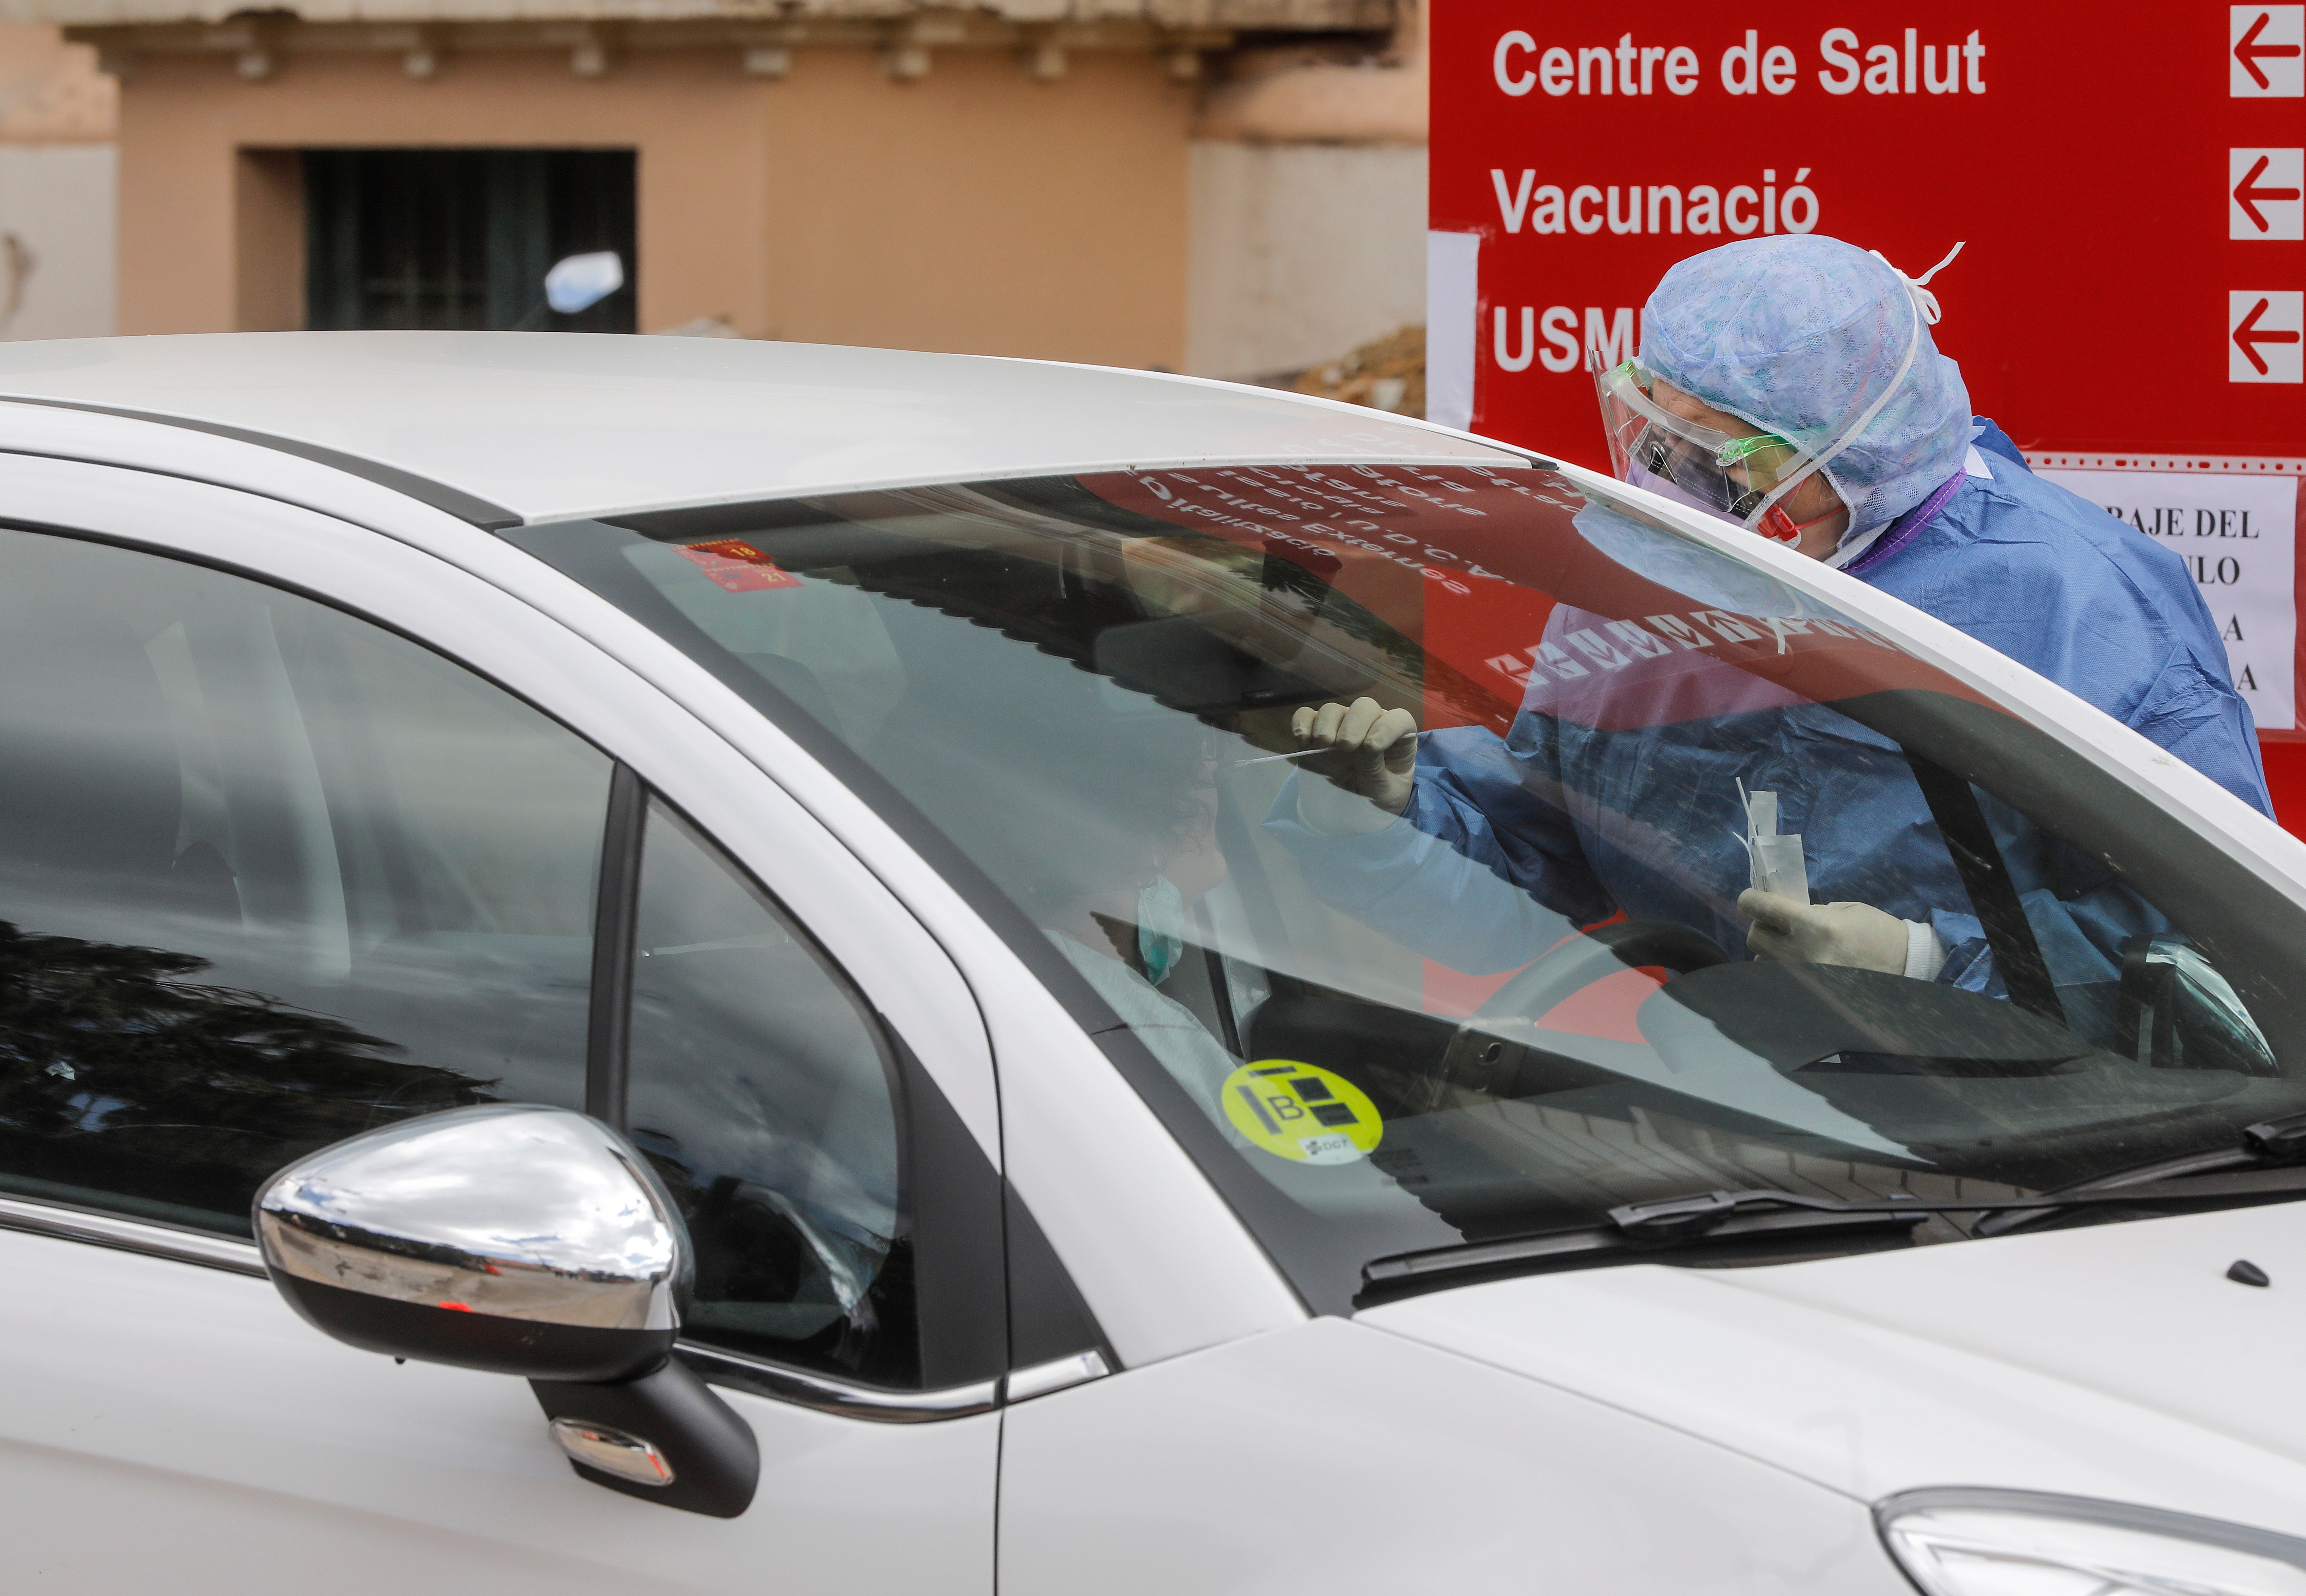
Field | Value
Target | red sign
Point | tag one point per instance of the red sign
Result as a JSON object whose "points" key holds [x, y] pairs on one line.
{"points": [[2127, 178], [735, 565], [2130, 181], [1471, 564]]}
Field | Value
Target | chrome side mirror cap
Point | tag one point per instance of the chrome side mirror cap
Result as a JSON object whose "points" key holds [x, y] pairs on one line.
{"points": [[518, 1240], [510, 1238]]}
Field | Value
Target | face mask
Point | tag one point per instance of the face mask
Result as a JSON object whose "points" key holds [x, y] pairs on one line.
{"points": [[1739, 479], [1160, 915], [1640, 476]]}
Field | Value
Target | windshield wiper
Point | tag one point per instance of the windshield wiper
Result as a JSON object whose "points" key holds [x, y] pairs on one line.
{"points": [[2267, 1142], [2270, 1162], [1721, 1223], [2268, 1145], [1678, 1218]]}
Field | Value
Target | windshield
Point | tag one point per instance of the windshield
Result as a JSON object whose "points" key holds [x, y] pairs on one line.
{"points": [[1503, 983]]}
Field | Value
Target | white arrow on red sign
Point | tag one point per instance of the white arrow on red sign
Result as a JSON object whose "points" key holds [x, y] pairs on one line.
{"points": [[2264, 35], [2247, 194], [2264, 334], [2266, 193]]}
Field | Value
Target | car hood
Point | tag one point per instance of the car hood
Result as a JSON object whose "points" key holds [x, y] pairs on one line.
{"points": [[2115, 1360]]}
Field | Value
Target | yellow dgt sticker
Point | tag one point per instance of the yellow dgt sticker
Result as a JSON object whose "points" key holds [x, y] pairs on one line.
{"points": [[1302, 1112]]}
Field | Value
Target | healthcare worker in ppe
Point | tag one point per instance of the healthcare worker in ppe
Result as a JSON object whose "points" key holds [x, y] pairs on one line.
{"points": [[1789, 386]]}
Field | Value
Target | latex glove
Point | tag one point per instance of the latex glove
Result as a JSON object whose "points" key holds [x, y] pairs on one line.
{"points": [[1373, 749], [1856, 935]]}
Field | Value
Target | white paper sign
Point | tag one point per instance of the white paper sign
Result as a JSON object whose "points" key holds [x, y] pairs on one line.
{"points": [[1453, 292], [2237, 535]]}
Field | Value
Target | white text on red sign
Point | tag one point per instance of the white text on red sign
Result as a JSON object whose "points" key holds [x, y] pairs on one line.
{"points": [[1845, 63], [1587, 208]]}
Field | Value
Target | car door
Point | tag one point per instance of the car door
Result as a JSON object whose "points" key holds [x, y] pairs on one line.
{"points": [[302, 830]]}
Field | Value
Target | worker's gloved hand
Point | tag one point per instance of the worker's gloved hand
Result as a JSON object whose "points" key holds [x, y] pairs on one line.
{"points": [[1373, 751], [1856, 935]]}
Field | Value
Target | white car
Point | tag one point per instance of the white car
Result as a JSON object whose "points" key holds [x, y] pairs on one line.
{"points": [[536, 854]]}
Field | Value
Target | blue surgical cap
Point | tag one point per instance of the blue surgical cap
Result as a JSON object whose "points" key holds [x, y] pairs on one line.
{"points": [[1799, 334]]}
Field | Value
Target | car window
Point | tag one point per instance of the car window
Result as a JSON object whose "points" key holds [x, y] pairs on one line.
{"points": [[269, 875], [759, 1088], [1528, 996]]}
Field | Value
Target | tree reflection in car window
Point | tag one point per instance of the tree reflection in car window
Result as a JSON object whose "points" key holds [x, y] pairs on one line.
{"points": [[279, 873], [123, 1076]]}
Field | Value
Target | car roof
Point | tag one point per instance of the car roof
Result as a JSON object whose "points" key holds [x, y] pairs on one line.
{"points": [[505, 428]]}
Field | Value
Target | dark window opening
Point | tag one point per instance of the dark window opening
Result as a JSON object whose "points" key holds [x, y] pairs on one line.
{"points": [[462, 238]]}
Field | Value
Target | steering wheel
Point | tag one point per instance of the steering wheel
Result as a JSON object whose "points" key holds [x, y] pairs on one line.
{"points": [[1478, 1059]]}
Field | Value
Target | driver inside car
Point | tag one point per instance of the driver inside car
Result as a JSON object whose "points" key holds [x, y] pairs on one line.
{"points": [[1108, 853], [1790, 386]]}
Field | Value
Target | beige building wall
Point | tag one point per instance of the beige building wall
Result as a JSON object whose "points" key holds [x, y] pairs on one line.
{"points": [[1309, 203], [57, 241], [56, 183], [1300, 252], [974, 209]]}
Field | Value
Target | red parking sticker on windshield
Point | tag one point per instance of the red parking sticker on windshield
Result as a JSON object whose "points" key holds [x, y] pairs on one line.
{"points": [[735, 565]]}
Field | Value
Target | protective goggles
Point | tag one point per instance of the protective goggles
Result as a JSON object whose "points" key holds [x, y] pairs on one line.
{"points": [[1739, 478]]}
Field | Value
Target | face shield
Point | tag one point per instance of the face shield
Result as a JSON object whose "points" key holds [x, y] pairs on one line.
{"points": [[1741, 479], [1818, 364]]}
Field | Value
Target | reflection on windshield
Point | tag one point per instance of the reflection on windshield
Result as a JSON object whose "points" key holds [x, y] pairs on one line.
{"points": [[1518, 990], [125, 1081], [212, 789]]}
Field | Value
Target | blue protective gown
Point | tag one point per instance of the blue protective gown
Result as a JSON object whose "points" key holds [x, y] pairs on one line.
{"points": [[1509, 842]]}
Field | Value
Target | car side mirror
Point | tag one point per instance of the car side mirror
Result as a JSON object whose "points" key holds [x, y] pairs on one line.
{"points": [[518, 1240]]}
